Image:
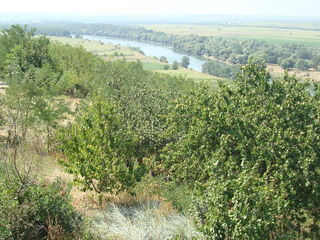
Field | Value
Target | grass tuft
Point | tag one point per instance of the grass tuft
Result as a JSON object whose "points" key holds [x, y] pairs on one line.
{"points": [[143, 221]]}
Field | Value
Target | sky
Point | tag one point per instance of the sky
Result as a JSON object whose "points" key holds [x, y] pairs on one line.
{"points": [[308, 8]]}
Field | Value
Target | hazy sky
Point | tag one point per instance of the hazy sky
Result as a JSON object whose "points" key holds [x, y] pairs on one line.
{"points": [[160, 7]]}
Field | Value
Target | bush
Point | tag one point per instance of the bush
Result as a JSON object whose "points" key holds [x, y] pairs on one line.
{"points": [[250, 154], [185, 61], [175, 65], [302, 64], [36, 211], [287, 63], [163, 59], [99, 149], [179, 195], [219, 69]]}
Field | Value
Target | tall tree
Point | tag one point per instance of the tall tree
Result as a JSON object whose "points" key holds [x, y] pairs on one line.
{"points": [[185, 61], [175, 65]]}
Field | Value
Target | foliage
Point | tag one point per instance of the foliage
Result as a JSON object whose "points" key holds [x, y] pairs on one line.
{"points": [[31, 54], [185, 61], [99, 150], [78, 67], [7, 204], [11, 38], [250, 154], [148, 95], [175, 65], [220, 69], [179, 195], [287, 63], [302, 64], [137, 49], [53, 31], [49, 112], [163, 59], [26, 211]]}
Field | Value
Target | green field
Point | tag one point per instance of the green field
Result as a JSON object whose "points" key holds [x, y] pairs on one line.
{"points": [[196, 76], [153, 66], [188, 73], [266, 33]]}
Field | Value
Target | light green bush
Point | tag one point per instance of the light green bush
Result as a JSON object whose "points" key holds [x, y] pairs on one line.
{"points": [[99, 149]]}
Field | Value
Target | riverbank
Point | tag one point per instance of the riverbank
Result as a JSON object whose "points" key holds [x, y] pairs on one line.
{"points": [[152, 49], [110, 51]]}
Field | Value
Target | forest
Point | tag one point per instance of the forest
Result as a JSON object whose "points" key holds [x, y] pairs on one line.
{"points": [[240, 161]]}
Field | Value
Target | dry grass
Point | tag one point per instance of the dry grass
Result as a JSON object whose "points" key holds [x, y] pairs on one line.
{"points": [[55, 231], [276, 70], [89, 201], [143, 221]]}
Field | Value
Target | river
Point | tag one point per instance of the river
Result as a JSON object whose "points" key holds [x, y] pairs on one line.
{"points": [[152, 49]]}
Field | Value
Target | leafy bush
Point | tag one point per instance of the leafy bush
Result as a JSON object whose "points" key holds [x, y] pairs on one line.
{"points": [[250, 153], [31, 211], [220, 69], [175, 65], [99, 149], [179, 195]]}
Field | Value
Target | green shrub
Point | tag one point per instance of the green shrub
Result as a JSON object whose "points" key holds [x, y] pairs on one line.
{"points": [[175, 65], [250, 154], [31, 211], [99, 149], [38, 205], [179, 195]]}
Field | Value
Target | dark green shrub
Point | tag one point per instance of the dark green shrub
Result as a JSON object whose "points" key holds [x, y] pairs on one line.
{"points": [[29, 211]]}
